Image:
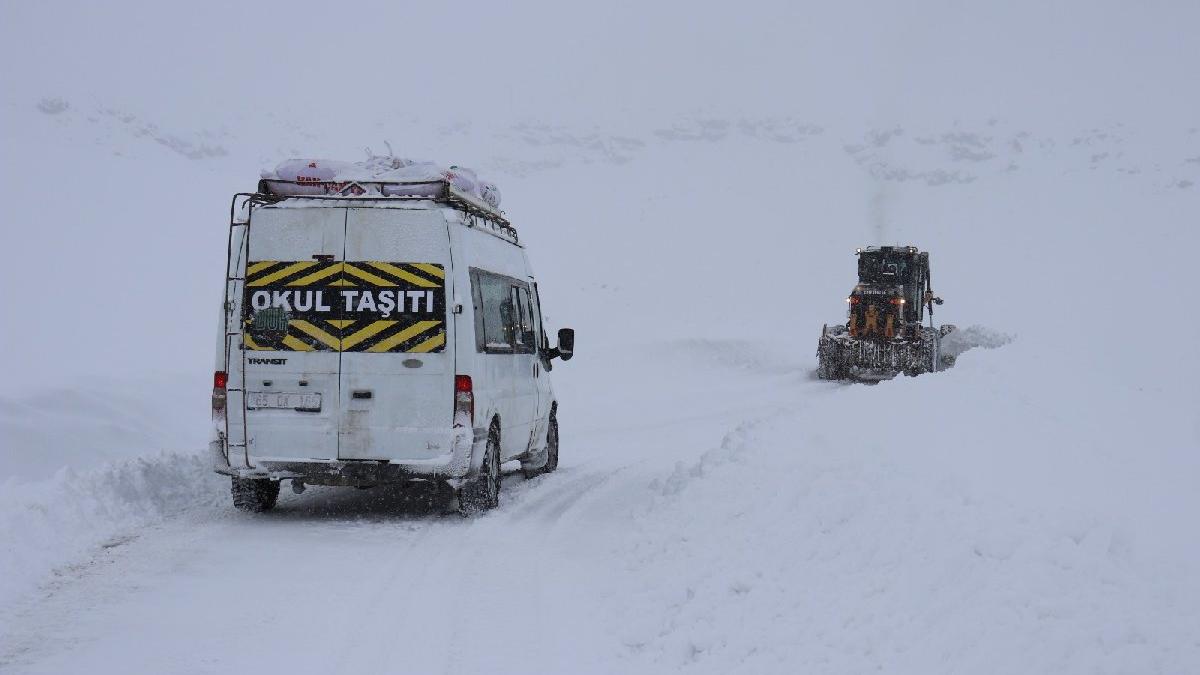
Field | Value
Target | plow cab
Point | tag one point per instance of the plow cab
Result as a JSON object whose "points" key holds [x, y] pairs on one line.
{"points": [[884, 333]]}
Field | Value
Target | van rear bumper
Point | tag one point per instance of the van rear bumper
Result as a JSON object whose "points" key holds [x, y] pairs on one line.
{"points": [[348, 473], [460, 463]]}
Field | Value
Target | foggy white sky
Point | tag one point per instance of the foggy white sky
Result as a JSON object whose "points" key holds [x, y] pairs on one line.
{"points": [[863, 60]]}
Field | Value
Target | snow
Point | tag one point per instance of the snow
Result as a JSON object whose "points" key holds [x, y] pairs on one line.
{"points": [[67, 519], [717, 508], [734, 521], [99, 420]]}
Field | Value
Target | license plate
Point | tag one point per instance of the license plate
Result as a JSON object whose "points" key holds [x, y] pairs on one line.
{"points": [[259, 400]]}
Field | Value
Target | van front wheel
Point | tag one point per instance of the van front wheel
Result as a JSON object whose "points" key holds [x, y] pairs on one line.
{"points": [[551, 451], [483, 493], [552, 445], [254, 494]]}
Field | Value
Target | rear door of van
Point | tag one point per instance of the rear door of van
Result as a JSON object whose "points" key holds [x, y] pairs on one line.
{"points": [[397, 376], [290, 314]]}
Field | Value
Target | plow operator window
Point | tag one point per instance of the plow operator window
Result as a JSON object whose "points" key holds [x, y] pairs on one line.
{"points": [[882, 269]]}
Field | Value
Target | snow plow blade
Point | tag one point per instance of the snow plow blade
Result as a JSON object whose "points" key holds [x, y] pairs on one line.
{"points": [[841, 356]]}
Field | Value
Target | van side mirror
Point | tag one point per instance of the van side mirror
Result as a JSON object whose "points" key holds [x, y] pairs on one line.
{"points": [[566, 343]]}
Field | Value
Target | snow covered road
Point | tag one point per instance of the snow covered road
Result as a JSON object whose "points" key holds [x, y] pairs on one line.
{"points": [[352, 581], [732, 519]]}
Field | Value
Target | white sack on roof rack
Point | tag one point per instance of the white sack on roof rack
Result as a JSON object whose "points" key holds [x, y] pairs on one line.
{"points": [[384, 168]]}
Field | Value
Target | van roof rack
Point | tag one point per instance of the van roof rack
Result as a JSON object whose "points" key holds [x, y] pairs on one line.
{"points": [[441, 191]]}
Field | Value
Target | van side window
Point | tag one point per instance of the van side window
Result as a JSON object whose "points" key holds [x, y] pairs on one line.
{"points": [[497, 314], [525, 342]]}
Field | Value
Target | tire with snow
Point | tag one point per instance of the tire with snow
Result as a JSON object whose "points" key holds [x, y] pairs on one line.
{"points": [[551, 450], [255, 495], [483, 493], [552, 445], [828, 365], [947, 360]]}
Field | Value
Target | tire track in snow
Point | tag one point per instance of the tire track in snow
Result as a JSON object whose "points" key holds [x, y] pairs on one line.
{"points": [[550, 500]]}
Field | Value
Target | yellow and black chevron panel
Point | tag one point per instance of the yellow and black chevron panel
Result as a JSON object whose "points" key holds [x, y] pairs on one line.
{"points": [[356, 306]]}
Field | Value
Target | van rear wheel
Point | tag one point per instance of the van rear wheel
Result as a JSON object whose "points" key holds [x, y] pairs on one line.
{"points": [[483, 493], [254, 494]]}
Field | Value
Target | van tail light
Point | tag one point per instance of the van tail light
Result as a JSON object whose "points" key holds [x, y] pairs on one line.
{"points": [[464, 400], [220, 380]]}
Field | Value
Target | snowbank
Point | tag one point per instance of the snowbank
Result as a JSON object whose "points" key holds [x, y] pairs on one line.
{"points": [[92, 464], [62, 521], [959, 341]]}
